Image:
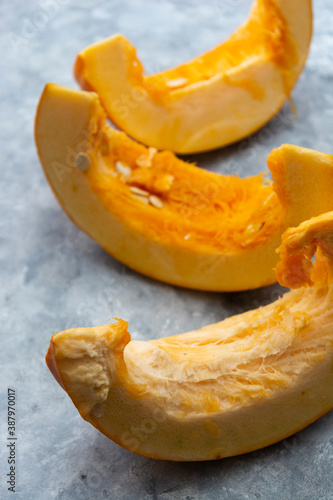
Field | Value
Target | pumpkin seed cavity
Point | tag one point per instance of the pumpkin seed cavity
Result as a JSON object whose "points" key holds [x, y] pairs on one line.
{"points": [[139, 193]]}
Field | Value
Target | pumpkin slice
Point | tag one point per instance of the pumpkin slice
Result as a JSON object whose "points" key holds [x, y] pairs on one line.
{"points": [[229, 388], [166, 218], [213, 100]]}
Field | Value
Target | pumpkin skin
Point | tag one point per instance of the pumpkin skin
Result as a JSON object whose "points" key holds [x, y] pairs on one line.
{"points": [[226, 389], [213, 232], [215, 99]]}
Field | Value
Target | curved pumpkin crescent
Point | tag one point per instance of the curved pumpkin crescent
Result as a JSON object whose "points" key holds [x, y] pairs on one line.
{"points": [[229, 388], [166, 218], [213, 100]]}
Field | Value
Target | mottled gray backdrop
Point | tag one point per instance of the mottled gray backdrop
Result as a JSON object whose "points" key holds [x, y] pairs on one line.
{"points": [[54, 277]]}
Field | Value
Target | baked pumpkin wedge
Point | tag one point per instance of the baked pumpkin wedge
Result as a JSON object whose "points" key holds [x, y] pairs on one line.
{"points": [[166, 218], [215, 99], [223, 390]]}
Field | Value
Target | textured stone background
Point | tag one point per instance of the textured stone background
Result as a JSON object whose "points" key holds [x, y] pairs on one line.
{"points": [[54, 277]]}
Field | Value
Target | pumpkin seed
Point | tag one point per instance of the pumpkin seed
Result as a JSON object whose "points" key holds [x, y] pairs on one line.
{"points": [[82, 161], [177, 82], [139, 191], [144, 199], [155, 201]]}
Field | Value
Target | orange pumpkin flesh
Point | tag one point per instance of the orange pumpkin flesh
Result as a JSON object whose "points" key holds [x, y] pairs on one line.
{"points": [[226, 389], [208, 231], [213, 100]]}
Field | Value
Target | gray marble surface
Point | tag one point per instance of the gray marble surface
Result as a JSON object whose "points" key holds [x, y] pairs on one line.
{"points": [[54, 277]]}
